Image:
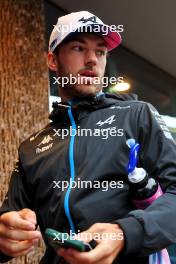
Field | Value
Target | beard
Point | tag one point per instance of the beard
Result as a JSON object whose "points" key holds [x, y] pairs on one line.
{"points": [[72, 87]]}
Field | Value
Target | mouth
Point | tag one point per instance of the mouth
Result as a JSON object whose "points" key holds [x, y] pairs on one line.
{"points": [[88, 77], [88, 73]]}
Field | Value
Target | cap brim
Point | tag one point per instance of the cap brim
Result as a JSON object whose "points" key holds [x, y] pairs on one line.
{"points": [[112, 38]]}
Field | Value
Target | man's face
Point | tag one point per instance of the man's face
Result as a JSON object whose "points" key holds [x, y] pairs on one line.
{"points": [[83, 56]]}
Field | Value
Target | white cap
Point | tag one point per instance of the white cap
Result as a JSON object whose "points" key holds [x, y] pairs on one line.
{"points": [[83, 21]]}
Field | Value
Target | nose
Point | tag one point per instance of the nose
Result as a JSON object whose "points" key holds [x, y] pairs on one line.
{"points": [[90, 58]]}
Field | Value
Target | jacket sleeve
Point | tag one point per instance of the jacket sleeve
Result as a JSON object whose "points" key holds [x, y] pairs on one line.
{"points": [[155, 227], [16, 198]]}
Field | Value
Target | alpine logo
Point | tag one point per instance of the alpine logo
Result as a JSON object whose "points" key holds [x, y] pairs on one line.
{"points": [[46, 140], [92, 19], [109, 121]]}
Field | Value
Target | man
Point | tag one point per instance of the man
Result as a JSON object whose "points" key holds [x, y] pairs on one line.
{"points": [[50, 158]]}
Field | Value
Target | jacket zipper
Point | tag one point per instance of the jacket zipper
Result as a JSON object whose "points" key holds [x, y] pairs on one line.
{"points": [[72, 172]]}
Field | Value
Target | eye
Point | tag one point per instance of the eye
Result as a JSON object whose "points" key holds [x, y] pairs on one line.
{"points": [[101, 52], [77, 48]]}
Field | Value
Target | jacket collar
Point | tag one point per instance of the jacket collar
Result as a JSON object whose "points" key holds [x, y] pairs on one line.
{"points": [[101, 100]]}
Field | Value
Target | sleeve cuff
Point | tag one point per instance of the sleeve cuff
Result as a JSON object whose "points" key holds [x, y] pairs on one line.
{"points": [[133, 234]]}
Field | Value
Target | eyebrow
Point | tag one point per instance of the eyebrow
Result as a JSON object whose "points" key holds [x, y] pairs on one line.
{"points": [[100, 44]]}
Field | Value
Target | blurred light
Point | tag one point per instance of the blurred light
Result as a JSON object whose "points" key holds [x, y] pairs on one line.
{"points": [[121, 87], [53, 99]]}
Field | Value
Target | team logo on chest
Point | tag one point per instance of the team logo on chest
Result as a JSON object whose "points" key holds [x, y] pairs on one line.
{"points": [[109, 121]]}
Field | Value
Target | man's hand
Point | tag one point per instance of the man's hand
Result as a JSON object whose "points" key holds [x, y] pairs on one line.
{"points": [[110, 242], [17, 232]]}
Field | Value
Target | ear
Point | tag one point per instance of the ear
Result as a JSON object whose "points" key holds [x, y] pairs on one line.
{"points": [[52, 62]]}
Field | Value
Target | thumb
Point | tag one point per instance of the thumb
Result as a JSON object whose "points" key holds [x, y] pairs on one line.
{"points": [[85, 236], [28, 215], [92, 233]]}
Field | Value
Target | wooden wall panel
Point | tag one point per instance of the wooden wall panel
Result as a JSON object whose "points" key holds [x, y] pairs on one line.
{"points": [[23, 85]]}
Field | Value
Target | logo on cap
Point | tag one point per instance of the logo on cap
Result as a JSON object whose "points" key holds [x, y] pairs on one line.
{"points": [[93, 19]]}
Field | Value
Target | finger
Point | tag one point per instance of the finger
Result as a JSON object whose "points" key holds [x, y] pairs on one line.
{"points": [[11, 247], [85, 236], [17, 234], [67, 256], [14, 220], [29, 215], [72, 257], [103, 251], [24, 252], [90, 233], [96, 255]]}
